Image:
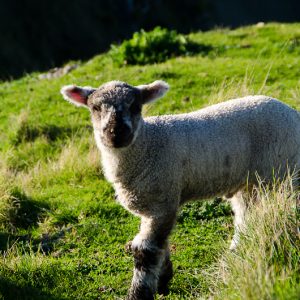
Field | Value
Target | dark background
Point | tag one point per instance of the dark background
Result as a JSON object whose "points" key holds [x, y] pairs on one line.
{"points": [[40, 34]]}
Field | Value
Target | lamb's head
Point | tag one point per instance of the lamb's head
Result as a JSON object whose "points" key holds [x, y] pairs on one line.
{"points": [[115, 108]]}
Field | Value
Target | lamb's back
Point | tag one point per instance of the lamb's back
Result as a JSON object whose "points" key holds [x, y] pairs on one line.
{"points": [[216, 147]]}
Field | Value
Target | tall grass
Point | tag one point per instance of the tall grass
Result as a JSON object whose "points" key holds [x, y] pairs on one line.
{"points": [[235, 87], [18, 189], [266, 264], [76, 160]]}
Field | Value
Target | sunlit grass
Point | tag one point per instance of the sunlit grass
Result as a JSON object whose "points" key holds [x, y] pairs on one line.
{"points": [[62, 234], [266, 264]]}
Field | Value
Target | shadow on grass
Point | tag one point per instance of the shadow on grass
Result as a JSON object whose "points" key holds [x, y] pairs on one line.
{"points": [[21, 212], [10, 290], [28, 133], [8, 239], [45, 244], [204, 210], [197, 48]]}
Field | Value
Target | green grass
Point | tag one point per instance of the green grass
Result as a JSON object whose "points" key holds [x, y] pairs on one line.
{"points": [[62, 235], [267, 262]]}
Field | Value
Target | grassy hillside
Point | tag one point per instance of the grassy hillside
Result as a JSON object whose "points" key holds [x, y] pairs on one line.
{"points": [[62, 235]]}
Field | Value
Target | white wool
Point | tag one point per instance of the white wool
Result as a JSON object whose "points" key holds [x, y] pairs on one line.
{"points": [[206, 153]]}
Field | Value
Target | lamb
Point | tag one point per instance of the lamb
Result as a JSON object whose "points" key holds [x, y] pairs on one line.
{"points": [[156, 164]]}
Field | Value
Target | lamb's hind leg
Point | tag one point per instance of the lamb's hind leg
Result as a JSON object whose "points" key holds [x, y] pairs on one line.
{"points": [[239, 208], [151, 257]]}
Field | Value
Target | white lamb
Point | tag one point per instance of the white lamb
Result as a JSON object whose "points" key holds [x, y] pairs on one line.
{"points": [[156, 164]]}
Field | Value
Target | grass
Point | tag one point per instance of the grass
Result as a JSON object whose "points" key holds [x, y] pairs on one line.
{"points": [[267, 262], [62, 235]]}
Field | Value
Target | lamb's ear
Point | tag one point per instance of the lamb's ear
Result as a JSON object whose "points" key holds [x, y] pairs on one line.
{"points": [[76, 94], [153, 91]]}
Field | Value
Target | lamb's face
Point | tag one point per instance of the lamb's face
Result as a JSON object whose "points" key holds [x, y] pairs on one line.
{"points": [[115, 108], [116, 113]]}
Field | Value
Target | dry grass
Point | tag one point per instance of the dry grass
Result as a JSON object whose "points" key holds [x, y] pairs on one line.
{"points": [[266, 264], [236, 88], [17, 209], [75, 158]]}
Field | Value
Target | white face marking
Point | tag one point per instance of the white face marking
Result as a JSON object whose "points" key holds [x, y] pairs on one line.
{"points": [[97, 137], [137, 130], [107, 117]]}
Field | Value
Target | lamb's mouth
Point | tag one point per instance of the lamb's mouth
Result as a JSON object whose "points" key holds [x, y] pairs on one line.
{"points": [[118, 141]]}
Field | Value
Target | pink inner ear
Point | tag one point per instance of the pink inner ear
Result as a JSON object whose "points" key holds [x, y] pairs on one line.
{"points": [[77, 95]]}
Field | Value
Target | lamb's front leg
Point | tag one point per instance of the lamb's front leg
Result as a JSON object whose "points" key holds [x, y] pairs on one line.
{"points": [[150, 251], [166, 273]]}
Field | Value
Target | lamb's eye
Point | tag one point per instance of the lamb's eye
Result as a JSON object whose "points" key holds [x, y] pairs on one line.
{"points": [[97, 108]]}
